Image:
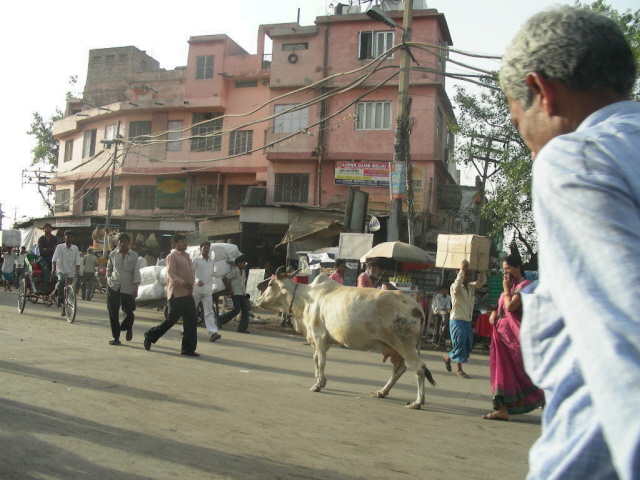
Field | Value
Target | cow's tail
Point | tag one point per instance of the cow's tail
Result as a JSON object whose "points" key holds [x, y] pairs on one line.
{"points": [[422, 326], [429, 377]]}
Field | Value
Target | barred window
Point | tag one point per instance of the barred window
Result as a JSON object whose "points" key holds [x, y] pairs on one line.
{"points": [[117, 198], [89, 145], [90, 200], [62, 200], [204, 67], [290, 122], [203, 131], [110, 132], [174, 144], [292, 187], [142, 197], [68, 150], [235, 196], [373, 116], [207, 197], [240, 141], [371, 44], [139, 132]]}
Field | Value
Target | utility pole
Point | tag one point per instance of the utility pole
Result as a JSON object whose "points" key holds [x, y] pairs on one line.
{"points": [[115, 142], [401, 150]]}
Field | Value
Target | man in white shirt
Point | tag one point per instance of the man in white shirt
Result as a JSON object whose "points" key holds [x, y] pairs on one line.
{"points": [[7, 268], [66, 263], [203, 289], [22, 256], [441, 302], [463, 294], [235, 282]]}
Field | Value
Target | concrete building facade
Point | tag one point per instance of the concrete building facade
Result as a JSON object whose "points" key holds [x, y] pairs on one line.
{"points": [[290, 130]]}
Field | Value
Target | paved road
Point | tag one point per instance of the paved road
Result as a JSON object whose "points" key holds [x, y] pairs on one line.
{"points": [[74, 407]]}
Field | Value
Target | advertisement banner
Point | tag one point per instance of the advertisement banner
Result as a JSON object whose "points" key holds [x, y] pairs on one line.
{"points": [[171, 193], [366, 174], [398, 180]]}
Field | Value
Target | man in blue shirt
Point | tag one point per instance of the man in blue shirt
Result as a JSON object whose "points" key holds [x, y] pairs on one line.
{"points": [[568, 75]]}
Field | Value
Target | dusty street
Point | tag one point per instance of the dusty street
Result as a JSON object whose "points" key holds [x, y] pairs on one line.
{"points": [[74, 407]]}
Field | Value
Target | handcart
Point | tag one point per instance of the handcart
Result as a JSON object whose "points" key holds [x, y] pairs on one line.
{"points": [[38, 289]]}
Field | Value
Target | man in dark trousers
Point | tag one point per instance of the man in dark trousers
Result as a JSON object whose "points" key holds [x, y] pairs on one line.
{"points": [[123, 278], [180, 280], [47, 244], [235, 282]]}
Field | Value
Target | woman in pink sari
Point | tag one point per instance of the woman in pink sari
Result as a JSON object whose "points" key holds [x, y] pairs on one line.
{"points": [[512, 389]]}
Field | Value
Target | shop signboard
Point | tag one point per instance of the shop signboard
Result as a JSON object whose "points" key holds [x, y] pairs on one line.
{"points": [[364, 174], [171, 193]]}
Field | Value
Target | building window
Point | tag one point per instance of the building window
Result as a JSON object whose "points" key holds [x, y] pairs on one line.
{"points": [[443, 55], [96, 60], [240, 141], [139, 132], [68, 150], [235, 196], [292, 187], [372, 44], [202, 132], [62, 200], [117, 198], [142, 197], [174, 144], [110, 132], [207, 197], [90, 200], [89, 145], [204, 67], [288, 121], [373, 116], [110, 59], [124, 58], [438, 124], [246, 83]]}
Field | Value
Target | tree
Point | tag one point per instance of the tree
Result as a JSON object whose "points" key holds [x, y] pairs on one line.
{"points": [[485, 129]]}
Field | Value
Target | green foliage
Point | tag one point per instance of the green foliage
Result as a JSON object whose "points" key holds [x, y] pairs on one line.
{"points": [[45, 153], [485, 131]]}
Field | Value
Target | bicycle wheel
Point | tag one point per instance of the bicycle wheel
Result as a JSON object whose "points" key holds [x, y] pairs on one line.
{"points": [[200, 310], [90, 289], [70, 303], [22, 295]]}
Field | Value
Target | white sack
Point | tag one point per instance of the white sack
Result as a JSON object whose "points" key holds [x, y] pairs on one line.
{"points": [[149, 275], [154, 291]]}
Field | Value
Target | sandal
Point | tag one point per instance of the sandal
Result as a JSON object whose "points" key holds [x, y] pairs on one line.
{"points": [[494, 416], [447, 363], [462, 375]]}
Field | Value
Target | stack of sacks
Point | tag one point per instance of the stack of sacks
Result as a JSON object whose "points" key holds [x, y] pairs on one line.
{"points": [[153, 285]]}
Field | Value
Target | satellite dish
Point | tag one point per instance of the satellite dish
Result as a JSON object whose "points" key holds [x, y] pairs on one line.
{"points": [[374, 224]]}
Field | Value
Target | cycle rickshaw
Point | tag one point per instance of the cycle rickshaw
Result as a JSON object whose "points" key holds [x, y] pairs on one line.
{"points": [[35, 288]]}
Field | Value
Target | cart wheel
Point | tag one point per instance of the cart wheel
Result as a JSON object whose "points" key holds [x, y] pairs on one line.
{"points": [[22, 295], [70, 303], [200, 310], [90, 289]]}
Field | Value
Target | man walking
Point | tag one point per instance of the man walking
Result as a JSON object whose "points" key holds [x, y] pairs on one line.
{"points": [[366, 278], [22, 256], [123, 278], [463, 295], [89, 276], [202, 292], [235, 282], [66, 262], [568, 75], [180, 281]]}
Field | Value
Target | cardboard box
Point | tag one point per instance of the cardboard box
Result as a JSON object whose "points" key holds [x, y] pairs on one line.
{"points": [[453, 249]]}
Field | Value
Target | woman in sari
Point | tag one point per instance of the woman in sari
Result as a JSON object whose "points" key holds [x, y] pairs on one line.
{"points": [[512, 389]]}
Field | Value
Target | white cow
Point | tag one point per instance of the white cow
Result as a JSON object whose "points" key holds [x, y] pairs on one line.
{"points": [[367, 319]]}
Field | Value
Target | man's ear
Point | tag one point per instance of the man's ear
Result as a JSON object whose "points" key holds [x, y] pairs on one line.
{"points": [[544, 91]]}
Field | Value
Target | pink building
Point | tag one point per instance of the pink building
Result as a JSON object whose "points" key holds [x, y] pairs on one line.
{"points": [[291, 130]]}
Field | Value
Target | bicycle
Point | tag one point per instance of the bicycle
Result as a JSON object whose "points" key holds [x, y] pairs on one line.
{"points": [[69, 299], [440, 329]]}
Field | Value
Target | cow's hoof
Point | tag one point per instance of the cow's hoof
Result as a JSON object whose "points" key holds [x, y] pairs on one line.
{"points": [[378, 394], [315, 388], [323, 383], [413, 406]]}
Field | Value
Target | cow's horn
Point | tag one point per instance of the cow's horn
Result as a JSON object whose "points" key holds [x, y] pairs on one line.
{"points": [[279, 272], [293, 274]]}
